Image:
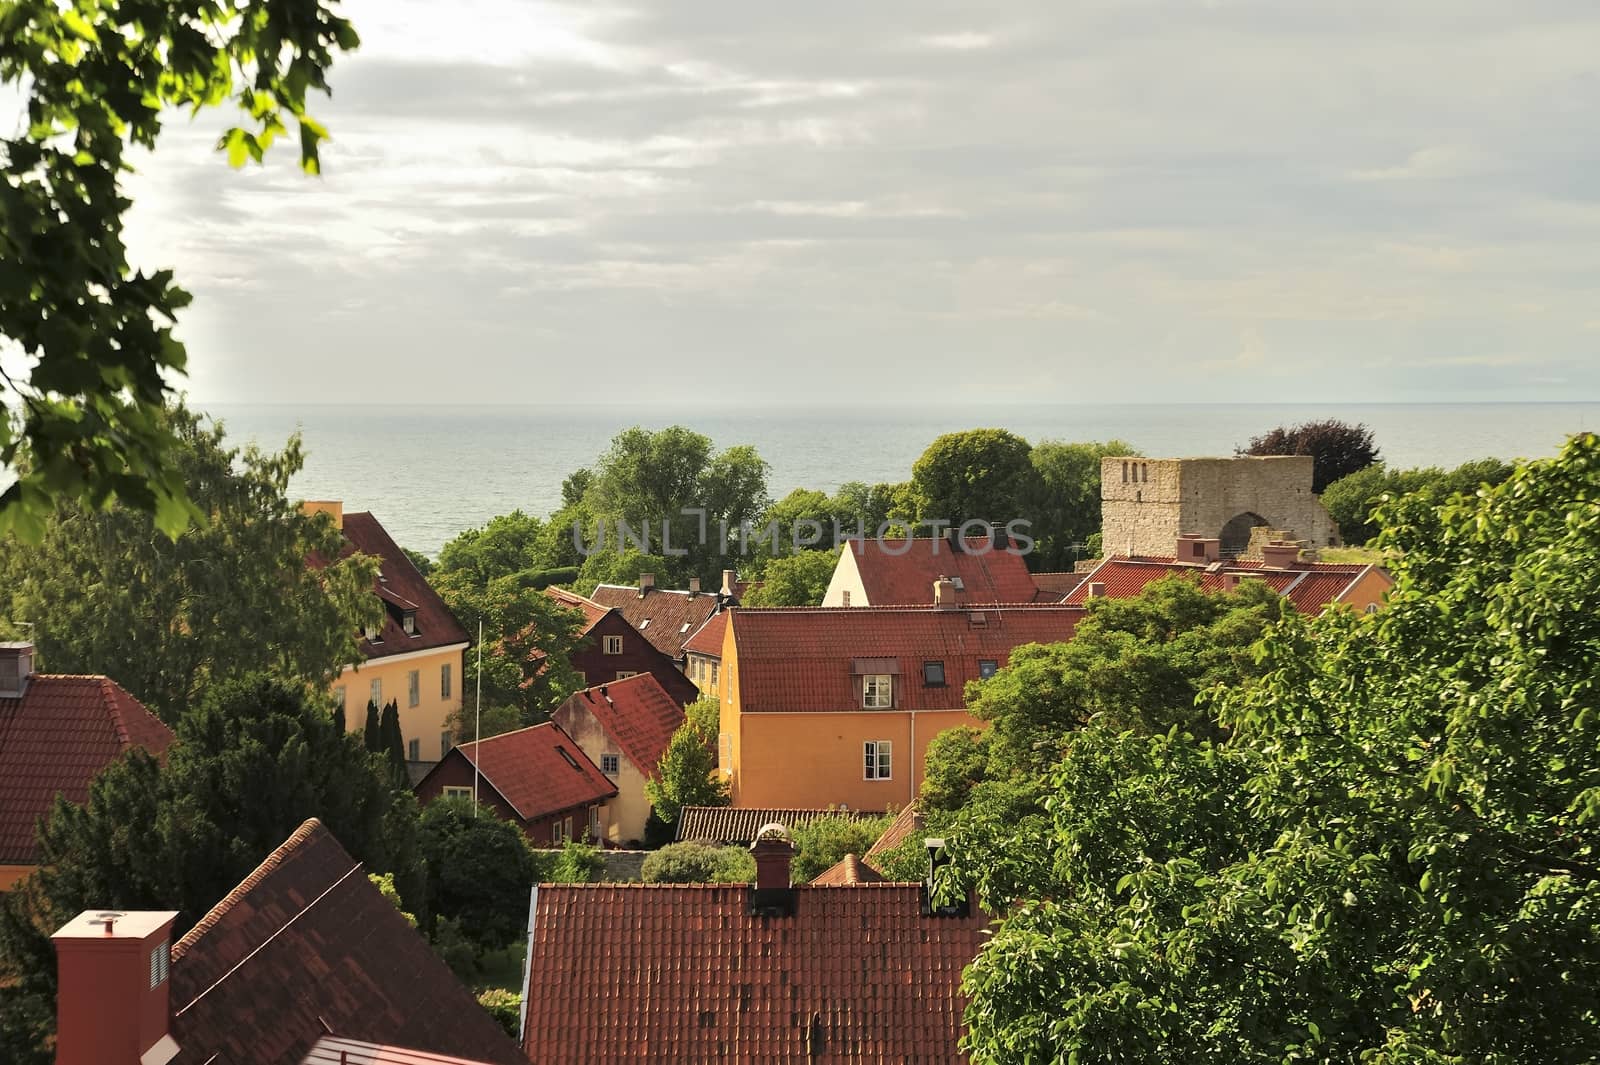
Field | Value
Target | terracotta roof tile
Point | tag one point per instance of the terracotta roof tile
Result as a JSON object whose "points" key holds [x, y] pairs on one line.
{"points": [[707, 639], [665, 616], [1309, 586], [538, 770], [1059, 583], [305, 947], [906, 824], [685, 973], [402, 587], [592, 611], [638, 715], [806, 659], [902, 572], [739, 824], [54, 740], [848, 870]]}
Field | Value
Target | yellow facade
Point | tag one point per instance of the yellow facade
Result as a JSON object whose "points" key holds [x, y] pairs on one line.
{"points": [[622, 819], [1367, 594], [423, 723]]}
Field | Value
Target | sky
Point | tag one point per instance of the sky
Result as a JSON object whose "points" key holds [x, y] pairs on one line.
{"points": [[744, 202]]}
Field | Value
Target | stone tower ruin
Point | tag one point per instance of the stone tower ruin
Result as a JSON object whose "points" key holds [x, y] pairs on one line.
{"points": [[1146, 503]]}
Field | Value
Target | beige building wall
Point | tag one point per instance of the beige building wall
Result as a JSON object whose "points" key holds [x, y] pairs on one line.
{"points": [[424, 722], [623, 818], [845, 587], [1146, 503]]}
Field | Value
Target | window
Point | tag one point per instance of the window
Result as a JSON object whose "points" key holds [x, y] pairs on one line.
{"points": [[879, 763], [409, 623], [339, 696], [414, 687], [609, 764], [414, 750], [159, 959], [561, 831], [987, 667], [612, 645], [1124, 473], [444, 681], [624, 674], [373, 633], [645, 624], [844, 598], [377, 692], [933, 674], [446, 741], [583, 678], [454, 791], [877, 691], [683, 628], [713, 676]]}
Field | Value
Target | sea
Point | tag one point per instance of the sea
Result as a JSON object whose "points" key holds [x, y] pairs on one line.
{"points": [[429, 472]]}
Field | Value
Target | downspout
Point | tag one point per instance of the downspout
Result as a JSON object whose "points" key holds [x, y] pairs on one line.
{"points": [[913, 757]]}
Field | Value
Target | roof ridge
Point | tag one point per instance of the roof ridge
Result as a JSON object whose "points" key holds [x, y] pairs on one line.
{"points": [[309, 828], [108, 695]]}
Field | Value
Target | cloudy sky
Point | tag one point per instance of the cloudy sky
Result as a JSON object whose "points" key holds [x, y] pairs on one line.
{"points": [[752, 202]]}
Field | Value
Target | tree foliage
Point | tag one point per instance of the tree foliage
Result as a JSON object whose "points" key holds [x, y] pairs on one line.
{"points": [[824, 841], [1337, 448], [479, 871], [1352, 500], [698, 863], [1392, 859], [796, 580], [1067, 508], [979, 474], [99, 333], [687, 772], [108, 592]]}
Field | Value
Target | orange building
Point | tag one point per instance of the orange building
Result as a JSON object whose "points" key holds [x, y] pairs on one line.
{"points": [[836, 705]]}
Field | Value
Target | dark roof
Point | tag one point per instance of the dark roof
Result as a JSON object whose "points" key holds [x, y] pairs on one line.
{"points": [[685, 972], [810, 659], [1309, 586], [666, 617], [1058, 582], [401, 587], [539, 770], [54, 740], [848, 870], [707, 640], [739, 824], [637, 713], [306, 947], [593, 613], [902, 572]]}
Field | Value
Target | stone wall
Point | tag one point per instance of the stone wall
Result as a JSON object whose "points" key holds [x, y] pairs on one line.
{"points": [[623, 866], [1146, 503]]}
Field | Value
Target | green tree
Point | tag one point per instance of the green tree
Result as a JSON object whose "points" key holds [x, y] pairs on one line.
{"points": [[90, 415], [698, 863], [372, 735], [868, 507], [479, 871], [1067, 509], [508, 544], [823, 842], [423, 563], [798, 580], [108, 593], [1352, 500], [980, 474], [688, 769], [1337, 448], [391, 740], [1393, 859]]}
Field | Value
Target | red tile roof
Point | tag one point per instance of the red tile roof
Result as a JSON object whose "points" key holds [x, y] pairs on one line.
{"points": [[739, 824], [637, 713], [1059, 583], [909, 822], [685, 973], [707, 640], [306, 947], [902, 572], [812, 658], [401, 586], [54, 740], [1309, 586], [848, 870], [667, 617], [538, 770], [592, 611]]}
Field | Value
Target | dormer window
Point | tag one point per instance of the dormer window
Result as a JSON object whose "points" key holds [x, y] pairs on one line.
{"points": [[373, 633], [877, 691], [408, 621], [645, 624]]}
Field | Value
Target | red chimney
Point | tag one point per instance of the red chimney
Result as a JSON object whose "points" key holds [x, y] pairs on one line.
{"points": [[1193, 547], [111, 997], [1280, 554], [774, 854]]}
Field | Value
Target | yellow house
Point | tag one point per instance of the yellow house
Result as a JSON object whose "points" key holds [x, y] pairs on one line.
{"points": [[415, 657], [836, 706]]}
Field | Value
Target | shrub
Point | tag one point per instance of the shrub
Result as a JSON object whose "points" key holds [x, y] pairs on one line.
{"points": [[699, 863], [828, 839], [504, 1006]]}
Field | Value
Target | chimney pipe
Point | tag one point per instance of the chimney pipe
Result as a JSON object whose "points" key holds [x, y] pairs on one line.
{"points": [[694, 586], [1192, 547], [729, 579], [112, 1004], [16, 666], [647, 581], [944, 593], [773, 893], [1280, 554]]}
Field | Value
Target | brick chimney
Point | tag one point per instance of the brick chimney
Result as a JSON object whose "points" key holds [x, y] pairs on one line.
{"points": [[16, 666], [730, 578], [112, 996], [944, 593], [1192, 547], [773, 893], [694, 586], [334, 508], [1280, 554], [647, 581]]}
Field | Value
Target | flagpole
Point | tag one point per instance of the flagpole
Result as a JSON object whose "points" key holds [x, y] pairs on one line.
{"points": [[477, 720]]}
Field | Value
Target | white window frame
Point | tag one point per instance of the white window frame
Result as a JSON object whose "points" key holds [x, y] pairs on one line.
{"points": [[877, 760], [375, 691], [444, 681], [624, 674], [611, 645], [456, 791], [877, 691], [610, 764], [414, 688]]}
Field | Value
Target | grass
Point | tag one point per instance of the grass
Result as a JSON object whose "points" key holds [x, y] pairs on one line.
{"points": [[1363, 555], [501, 968]]}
